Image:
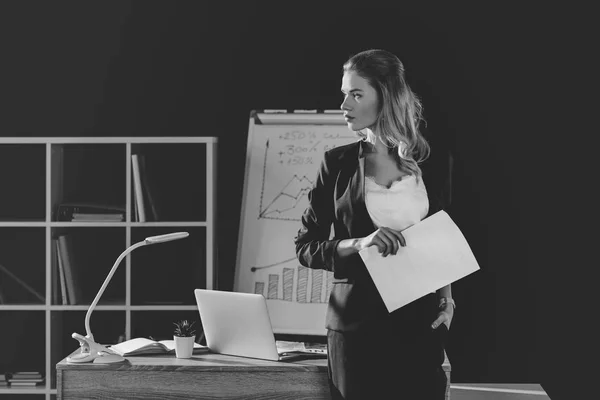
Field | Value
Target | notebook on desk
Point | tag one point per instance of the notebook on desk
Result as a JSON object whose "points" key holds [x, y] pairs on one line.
{"points": [[238, 324]]}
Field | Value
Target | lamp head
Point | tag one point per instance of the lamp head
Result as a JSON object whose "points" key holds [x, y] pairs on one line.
{"points": [[166, 238]]}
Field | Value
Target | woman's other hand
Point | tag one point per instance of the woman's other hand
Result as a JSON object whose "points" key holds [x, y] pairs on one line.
{"points": [[387, 240], [444, 317]]}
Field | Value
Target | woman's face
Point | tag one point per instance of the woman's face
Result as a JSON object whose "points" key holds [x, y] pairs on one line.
{"points": [[360, 103]]}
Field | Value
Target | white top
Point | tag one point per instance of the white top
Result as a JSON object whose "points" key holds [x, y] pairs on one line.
{"points": [[401, 205]]}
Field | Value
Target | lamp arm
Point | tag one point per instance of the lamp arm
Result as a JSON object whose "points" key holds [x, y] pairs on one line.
{"points": [[106, 281]]}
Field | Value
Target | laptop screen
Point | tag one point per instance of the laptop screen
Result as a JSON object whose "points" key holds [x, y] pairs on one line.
{"points": [[236, 323]]}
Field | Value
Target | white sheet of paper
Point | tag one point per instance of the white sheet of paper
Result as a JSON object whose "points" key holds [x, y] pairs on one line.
{"points": [[436, 254]]}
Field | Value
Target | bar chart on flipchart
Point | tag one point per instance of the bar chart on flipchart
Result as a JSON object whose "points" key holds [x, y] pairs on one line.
{"points": [[282, 164], [298, 284]]}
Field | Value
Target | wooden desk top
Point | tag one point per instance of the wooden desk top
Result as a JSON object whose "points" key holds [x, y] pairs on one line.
{"points": [[200, 362], [207, 362], [204, 375]]}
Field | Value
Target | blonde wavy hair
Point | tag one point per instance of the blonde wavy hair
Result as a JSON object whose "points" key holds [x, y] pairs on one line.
{"points": [[400, 111]]}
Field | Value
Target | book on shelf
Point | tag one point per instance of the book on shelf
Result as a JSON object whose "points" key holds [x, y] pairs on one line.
{"points": [[139, 346], [25, 378], [135, 215], [26, 375], [148, 189], [21, 282], [87, 217], [26, 383], [70, 269], [60, 277], [89, 211], [144, 193], [54, 274], [137, 188]]}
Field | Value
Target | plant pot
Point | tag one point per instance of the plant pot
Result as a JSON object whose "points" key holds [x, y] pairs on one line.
{"points": [[184, 346]]}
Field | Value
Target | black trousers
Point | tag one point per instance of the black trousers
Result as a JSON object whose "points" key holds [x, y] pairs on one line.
{"points": [[396, 357]]}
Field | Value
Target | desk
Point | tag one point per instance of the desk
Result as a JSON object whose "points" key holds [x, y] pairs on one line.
{"points": [[207, 375], [212, 375]]}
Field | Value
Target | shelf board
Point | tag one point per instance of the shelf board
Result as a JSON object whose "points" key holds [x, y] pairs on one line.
{"points": [[83, 307], [100, 224], [90, 223], [67, 224], [163, 308], [109, 140], [125, 307], [43, 307], [22, 307], [172, 223], [21, 224]]}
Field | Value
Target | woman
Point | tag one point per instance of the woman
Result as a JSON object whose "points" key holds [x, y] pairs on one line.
{"points": [[370, 191]]}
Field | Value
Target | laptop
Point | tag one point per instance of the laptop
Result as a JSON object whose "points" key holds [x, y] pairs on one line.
{"points": [[238, 324]]}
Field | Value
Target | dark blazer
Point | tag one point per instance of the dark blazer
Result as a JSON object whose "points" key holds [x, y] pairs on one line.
{"points": [[337, 197]]}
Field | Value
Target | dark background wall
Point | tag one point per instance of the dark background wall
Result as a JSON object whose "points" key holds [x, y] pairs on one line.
{"points": [[500, 83]]}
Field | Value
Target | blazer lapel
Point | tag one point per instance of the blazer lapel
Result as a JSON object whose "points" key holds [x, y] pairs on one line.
{"points": [[360, 222]]}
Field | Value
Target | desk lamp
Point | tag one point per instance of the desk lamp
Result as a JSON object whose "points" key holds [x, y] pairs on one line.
{"points": [[90, 350]]}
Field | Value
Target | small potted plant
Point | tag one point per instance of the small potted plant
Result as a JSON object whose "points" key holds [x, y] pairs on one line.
{"points": [[184, 336]]}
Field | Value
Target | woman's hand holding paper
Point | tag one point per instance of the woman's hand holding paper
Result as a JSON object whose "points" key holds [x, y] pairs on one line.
{"points": [[387, 240]]}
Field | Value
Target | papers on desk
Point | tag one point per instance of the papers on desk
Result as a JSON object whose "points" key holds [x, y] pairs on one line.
{"points": [[288, 348], [139, 346], [436, 254]]}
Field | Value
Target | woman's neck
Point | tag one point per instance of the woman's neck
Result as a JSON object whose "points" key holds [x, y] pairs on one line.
{"points": [[377, 145]]}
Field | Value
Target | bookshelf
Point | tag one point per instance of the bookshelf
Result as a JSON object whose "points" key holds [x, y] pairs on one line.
{"points": [[153, 286]]}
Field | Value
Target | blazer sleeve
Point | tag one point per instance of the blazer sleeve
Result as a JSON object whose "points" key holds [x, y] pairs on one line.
{"points": [[446, 189], [438, 169], [438, 178], [314, 249]]}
